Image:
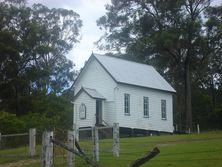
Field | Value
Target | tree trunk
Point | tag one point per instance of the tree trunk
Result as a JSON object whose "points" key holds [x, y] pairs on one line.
{"points": [[188, 106], [17, 105], [213, 97]]}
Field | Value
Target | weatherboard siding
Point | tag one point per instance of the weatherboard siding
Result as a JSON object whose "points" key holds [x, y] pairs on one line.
{"points": [[136, 118], [90, 110], [94, 76]]}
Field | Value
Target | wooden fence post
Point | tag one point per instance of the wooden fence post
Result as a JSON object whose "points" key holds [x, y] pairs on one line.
{"points": [[0, 140], [176, 128], [70, 155], [76, 132], [116, 139], [95, 139], [47, 149], [32, 142], [198, 128]]}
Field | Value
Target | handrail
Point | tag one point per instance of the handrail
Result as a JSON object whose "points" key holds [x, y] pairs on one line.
{"points": [[106, 123]]}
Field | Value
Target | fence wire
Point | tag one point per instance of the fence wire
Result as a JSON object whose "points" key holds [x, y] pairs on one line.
{"points": [[16, 147]]}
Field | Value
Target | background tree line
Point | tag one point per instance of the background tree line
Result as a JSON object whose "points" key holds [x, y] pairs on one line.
{"points": [[182, 39], [34, 71]]}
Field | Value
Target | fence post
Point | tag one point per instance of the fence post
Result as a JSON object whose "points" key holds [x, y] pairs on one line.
{"points": [[47, 149], [95, 139], [198, 128], [76, 132], [0, 140], [70, 155], [176, 128], [116, 139], [32, 142]]}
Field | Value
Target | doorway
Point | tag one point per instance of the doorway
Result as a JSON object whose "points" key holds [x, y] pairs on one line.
{"points": [[99, 112]]}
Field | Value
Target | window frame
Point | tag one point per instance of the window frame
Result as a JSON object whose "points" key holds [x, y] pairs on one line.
{"points": [[126, 104], [163, 109], [146, 113], [82, 111]]}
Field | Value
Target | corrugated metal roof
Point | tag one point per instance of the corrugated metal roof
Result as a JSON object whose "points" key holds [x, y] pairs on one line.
{"points": [[133, 73], [93, 93]]}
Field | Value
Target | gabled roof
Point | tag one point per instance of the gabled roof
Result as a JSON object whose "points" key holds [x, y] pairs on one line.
{"points": [[133, 73], [93, 93]]}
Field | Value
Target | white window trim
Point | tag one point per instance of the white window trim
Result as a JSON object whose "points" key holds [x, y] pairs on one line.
{"points": [[163, 109], [147, 115], [126, 104], [82, 111]]}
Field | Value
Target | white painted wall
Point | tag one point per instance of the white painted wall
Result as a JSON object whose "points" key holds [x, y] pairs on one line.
{"points": [[136, 118], [90, 110], [94, 76]]}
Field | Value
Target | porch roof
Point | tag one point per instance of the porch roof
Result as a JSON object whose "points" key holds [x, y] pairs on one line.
{"points": [[93, 93]]}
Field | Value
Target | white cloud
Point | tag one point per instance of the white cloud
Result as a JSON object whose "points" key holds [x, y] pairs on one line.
{"points": [[89, 11], [216, 2]]}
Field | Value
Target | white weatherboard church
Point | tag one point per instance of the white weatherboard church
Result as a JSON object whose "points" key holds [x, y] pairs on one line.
{"points": [[112, 90]]}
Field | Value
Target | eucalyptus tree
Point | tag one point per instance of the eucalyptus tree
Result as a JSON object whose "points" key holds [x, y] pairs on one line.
{"points": [[213, 76], [166, 34], [34, 43]]}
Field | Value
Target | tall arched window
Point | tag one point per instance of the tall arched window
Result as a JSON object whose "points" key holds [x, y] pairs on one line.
{"points": [[82, 111]]}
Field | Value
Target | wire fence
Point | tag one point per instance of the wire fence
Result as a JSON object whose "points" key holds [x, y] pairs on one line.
{"points": [[9, 141], [181, 155], [60, 156], [182, 128], [17, 146], [131, 148]]}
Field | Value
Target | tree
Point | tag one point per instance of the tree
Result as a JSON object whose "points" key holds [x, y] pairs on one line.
{"points": [[166, 34], [34, 42], [213, 77]]}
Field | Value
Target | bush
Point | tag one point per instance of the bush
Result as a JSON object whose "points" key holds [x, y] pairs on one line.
{"points": [[40, 121], [9, 123]]}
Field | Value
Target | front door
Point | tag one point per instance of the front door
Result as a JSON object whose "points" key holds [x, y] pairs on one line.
{"points": [[98, 112]]}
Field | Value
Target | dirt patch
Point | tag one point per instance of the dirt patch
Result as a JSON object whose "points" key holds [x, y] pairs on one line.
{"points": [[20, 163]]}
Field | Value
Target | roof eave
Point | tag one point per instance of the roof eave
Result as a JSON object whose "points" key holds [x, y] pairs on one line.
{"points": [[124, 83]]}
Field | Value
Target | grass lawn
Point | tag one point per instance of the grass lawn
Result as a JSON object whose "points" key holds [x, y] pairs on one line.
{"points": [[195, 150]]}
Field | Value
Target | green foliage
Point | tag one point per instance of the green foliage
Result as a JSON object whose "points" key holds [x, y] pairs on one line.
{"points": [[48, 112], [174, 37], [34, 42], [34, 70], [9, 123]]}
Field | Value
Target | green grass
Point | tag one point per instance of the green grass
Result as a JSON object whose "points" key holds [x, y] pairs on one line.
{"points": [[16, 154], [195, 150]]}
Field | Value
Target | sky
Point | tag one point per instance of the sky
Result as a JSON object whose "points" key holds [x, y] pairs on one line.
{"points": [[89, 11]]}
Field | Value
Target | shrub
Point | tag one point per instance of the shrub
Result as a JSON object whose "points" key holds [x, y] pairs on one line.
{"points": [[9, 123]]}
